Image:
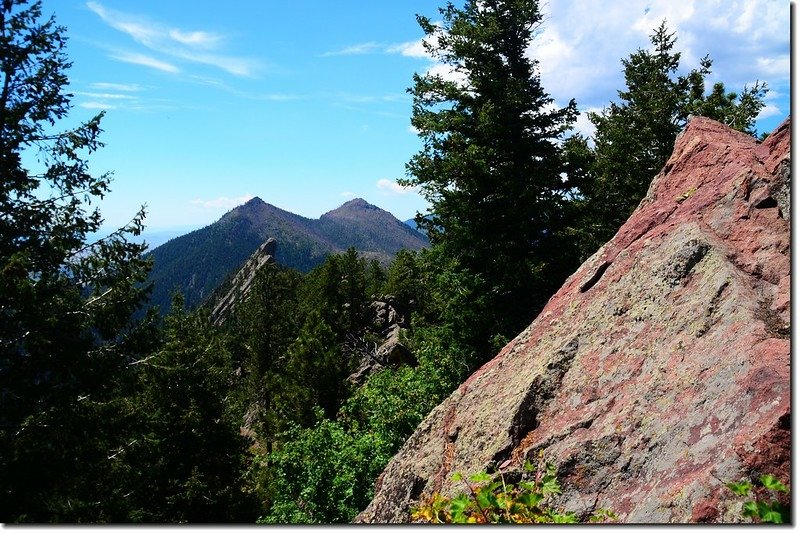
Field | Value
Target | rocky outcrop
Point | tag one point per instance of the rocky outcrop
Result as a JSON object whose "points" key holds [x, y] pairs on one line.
{"points": [[659, 371], [388, 323], [242, 282]]}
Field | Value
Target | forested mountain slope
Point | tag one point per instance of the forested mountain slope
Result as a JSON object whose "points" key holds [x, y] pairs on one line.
{"points": [[198, 262]]}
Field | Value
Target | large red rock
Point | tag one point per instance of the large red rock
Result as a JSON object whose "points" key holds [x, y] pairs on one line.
{"points": [[659, 371]]}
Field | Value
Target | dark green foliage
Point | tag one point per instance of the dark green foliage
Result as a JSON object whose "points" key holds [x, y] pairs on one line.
{"points": [[636, 135], [402, 280], [289, 336], [338, 290], [261, 331], [317, 365], [491, 163], [186, 456], [65, 303]]}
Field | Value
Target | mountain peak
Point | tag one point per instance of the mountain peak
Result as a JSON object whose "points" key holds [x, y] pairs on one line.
{"points": [[255, 200], [355, 207], [357, 203]]}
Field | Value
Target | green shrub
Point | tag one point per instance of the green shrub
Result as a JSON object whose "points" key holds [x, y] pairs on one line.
{"points": [[771, 511], [322, 475]]}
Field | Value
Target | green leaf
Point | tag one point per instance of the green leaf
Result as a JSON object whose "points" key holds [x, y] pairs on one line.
{"points": [[457, 476], [772, 516], [740, 489], [480, 477], [566, 518], [772, 483], [550, 485], [750, 509], [459, 503], [529, 499]]}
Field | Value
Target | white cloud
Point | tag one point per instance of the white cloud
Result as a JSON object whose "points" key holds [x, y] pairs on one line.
{"points": [[187, 45], [769, 110], [392, 187], [106, 96], [238, 66], [97, 105], [551, 50], [414, 49], [147, 61], [583, 125], [222, 202], [125, 87], [777, 66], [673, 12], [447, 73], [578, 61], [194, 38], [347, 194], [356, 49], [409, 49]]}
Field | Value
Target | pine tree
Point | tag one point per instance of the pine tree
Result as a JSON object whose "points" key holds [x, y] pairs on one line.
{"points": [[261, 330], [187, 458], [636, 135], [491, 163], [65, 303]]}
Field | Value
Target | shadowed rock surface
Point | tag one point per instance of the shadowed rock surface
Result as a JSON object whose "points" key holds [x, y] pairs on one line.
{"points": [[242, 282], [658, 372], [373, 357]]}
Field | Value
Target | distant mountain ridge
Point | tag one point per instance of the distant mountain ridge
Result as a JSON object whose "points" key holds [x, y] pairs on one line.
{"points": [[196, 263]]}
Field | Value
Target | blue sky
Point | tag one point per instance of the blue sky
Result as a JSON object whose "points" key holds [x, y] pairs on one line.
{"points": [[304, 103]]}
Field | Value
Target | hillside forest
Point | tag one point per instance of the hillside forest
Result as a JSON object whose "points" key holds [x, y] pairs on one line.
{"points": [[115, 411]]}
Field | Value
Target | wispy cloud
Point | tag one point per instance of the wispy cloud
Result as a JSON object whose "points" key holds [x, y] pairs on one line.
{"points": [[774, 66], [769, 110], [146, 61], [248, 95], [193, 46], [127, 96], [124, 87], [357, 49], [106, 96], [409, 49], [97, 105], [392, 187], [222, 202], [348, 194], [195, 38]]}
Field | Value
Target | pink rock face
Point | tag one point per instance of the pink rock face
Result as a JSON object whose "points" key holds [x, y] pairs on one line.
{"points": [[658, 372]]}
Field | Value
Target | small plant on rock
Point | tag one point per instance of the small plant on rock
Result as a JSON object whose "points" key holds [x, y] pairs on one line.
{"points": [[772, 511], [491, 500]]}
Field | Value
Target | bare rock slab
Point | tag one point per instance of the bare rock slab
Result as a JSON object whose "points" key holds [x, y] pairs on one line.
{"points": [[659, 371]]}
